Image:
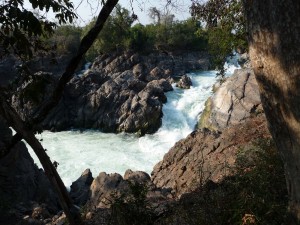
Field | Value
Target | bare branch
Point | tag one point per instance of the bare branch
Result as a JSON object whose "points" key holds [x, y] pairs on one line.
{"points": [[26, 130], [85, 44]]}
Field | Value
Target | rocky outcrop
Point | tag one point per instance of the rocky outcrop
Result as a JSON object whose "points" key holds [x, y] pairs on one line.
{"points": [[232, 119], [106, 188], [22, 185], [11, 66], [185, 82], [118, 93], [80, 189], [233, 102], [206, 155]]}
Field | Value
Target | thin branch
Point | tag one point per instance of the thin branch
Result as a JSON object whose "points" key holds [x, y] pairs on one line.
{"points": [[26, 129], [85, 44]]}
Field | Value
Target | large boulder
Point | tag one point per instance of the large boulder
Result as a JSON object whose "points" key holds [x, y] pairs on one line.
{"points": [[185, 82], [80, 189], [106, 188], [231, 119], [234, 101], [118, 93]]}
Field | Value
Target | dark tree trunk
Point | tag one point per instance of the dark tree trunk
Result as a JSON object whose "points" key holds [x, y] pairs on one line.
{"points": [[25, 129], [16, 122], [274, 38]]}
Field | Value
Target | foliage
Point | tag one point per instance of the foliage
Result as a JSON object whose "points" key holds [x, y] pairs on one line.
{"points": [[255, 195], [168, 35], [183, 35], [65, 39], [132, 208], [20, 29], [225, 28], [114, 33]]}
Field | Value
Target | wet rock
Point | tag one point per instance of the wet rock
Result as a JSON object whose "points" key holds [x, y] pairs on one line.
{"points": [[185, 82]]}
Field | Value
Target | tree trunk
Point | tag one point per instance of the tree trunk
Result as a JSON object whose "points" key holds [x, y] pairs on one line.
{"points": [[16, 122], [25, 129], [274, 38]]}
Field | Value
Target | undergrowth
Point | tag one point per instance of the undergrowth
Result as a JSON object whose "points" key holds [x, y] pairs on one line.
{"points": [[256, 194], [132, 208]]}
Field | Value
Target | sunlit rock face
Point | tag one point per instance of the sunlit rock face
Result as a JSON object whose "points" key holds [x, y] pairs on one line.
{"points": [[119, 93], [234, 101], [231, 120]]}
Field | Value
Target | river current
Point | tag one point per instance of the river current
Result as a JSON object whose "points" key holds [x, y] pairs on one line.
{"points": [[76, 151]]}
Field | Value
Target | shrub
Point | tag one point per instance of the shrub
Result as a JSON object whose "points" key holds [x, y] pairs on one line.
{"points": [[132, 208], [255, 195]]}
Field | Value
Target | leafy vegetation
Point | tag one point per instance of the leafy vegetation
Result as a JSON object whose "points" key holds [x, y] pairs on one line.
{"points": [[225, 28], [255, 195], [121, 34], [65, 39], [132, 208], [21, 29]]}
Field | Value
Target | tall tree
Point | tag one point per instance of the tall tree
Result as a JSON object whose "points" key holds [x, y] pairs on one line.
{"points": [[274, 39], [225, 27], [155, 14], [274, 45]]}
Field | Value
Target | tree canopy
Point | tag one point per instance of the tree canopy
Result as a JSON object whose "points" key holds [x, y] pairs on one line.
{"points": [[21, 28], [121, 34], [225, 27]]}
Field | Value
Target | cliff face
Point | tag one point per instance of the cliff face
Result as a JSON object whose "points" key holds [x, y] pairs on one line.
{"points": [[231, 120], [206, 155]]}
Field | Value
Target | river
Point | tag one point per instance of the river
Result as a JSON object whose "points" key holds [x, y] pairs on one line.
{"points": [[76, 151]]}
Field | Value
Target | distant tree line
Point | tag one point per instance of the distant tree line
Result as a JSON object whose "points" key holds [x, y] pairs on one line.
{"points": [[121, 34]]}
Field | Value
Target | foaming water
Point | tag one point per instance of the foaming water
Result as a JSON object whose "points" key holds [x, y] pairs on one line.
{"points": [[75, 151]]}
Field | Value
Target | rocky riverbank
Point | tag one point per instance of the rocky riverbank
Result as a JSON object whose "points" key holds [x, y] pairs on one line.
{"points": [[232, 121], [120, 92]]}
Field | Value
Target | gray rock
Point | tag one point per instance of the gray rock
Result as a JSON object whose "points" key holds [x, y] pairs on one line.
{"points": [[106, 188], [185, 82], [120, 92], [234, 101], [206, 155], [232, 118], [80, 189], [137, 176], [10, 66]]}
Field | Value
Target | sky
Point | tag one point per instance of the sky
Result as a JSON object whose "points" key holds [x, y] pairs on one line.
{"points": [[86, 9]]}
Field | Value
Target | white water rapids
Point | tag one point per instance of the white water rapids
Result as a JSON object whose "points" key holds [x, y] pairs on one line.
{"points": [[76, 151]]}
